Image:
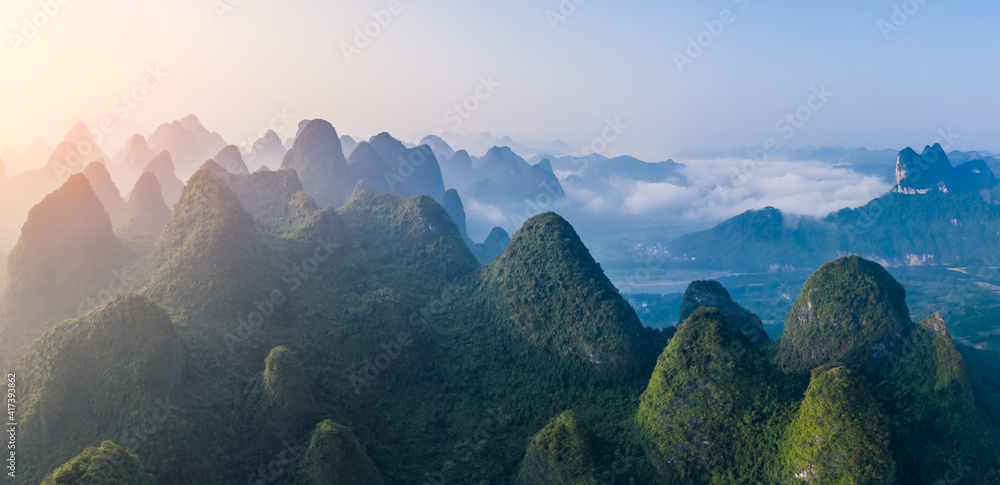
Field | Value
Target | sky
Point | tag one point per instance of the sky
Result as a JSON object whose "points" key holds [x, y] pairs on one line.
{"points": [[545, 69]]}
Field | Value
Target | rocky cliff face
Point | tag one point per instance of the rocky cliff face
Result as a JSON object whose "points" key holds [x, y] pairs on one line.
{"points": [[932, 170]]}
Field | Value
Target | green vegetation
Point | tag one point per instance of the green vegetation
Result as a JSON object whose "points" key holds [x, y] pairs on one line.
{"points": [[757, 240], [210, 258], [559, 298], [335, 456], [713, 294], [561, 453], [276, 200], [953, 228], [63, 260], [144, 215], [287, 390], [108, 465], [852, 311], [441, 370], [706, 416], [487, 251], [839, 436], [931, 402], [110, 374]]}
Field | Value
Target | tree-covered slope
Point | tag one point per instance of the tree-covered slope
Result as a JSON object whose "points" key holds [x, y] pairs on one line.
{"points": [[116, 373], [934, 414], [144, 216], [262, 315], [704, 416], [63, 264], [852, 311], [334, 455], [756, 240], [917, 224], [712, 294], [109, 464], [413, 241], [561, 453], [276, 200], [210, 261], [559, 298], [839, 435]]}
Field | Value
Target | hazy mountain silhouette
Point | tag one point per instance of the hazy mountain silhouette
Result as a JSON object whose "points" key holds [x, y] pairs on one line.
{"points": [[319, 160], [267, 151], [162, 165], [132, 159]]}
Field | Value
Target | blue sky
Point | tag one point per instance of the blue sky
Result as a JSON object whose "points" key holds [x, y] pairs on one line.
{"points": [[606, 60]]}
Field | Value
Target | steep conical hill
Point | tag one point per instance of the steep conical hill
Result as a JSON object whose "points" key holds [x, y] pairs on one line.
{"points": [[231, 160], [492, 247], [559, 298], [104, 187], [412, 171], [210, 260], [839, 435], [60, 267], [452, 204], [706, 407], [99, 375], [145, 213], [712, 294], [318, 158], [407, 238], [933, 411], [334, 455], [162, 165], [561, 453], [851, 311], [276, 200], [109, 464], [366, 164]]}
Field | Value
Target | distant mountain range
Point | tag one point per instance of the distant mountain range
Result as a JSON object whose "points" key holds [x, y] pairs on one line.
{"points": [[330, 320], [615, 203], [257, 321], [935, 214]]}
